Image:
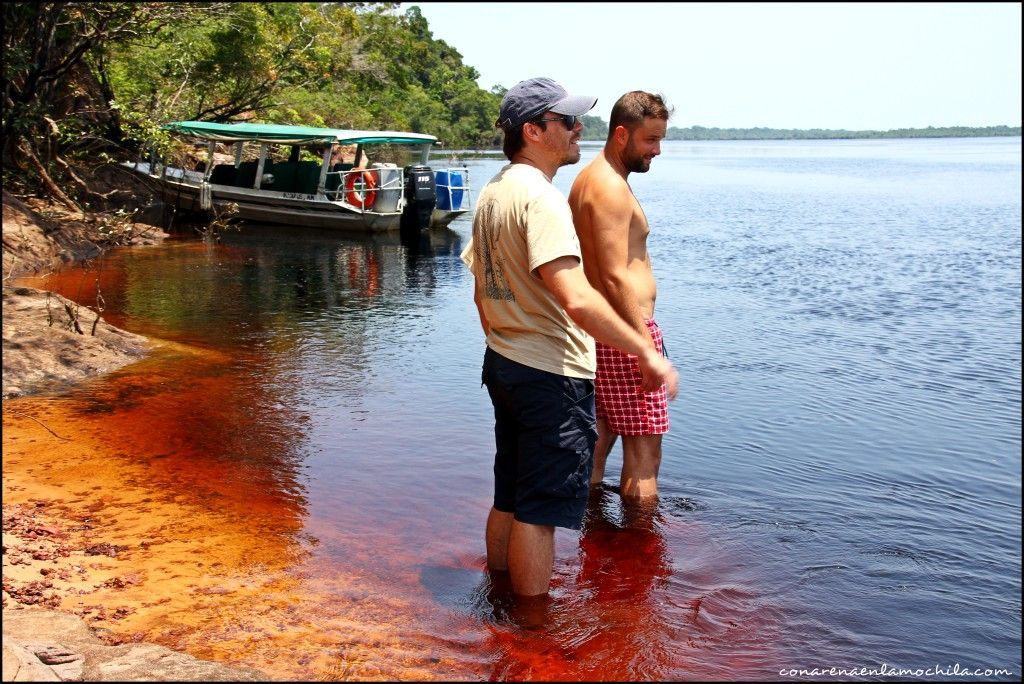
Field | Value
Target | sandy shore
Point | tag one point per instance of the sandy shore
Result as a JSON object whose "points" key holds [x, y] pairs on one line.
{"points": [[52, 558]]}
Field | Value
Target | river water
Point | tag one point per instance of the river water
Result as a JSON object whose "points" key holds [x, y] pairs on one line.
{"points": [[841, 486]]}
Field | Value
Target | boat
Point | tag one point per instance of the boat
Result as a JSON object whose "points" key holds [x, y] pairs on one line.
{"points": [[312, 177]]}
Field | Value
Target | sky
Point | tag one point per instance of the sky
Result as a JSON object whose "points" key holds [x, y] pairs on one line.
{"points": [[853, 66]]}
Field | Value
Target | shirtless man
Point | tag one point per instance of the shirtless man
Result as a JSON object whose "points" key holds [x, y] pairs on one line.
{"points": [[612, 230]]}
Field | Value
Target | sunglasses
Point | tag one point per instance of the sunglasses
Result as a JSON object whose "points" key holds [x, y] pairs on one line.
{"points": [[568, 119]]}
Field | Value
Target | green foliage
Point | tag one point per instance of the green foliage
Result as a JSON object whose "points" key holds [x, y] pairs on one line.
{"points": [[594, 128], [344, 65], [231, 63], [56, 94], [140, 128]]}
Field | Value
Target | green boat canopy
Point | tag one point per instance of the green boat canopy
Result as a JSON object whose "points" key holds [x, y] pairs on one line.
{"points": [[292, 135]]}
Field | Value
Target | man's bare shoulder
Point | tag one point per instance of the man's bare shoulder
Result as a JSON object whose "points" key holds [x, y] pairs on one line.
{"points": [[598, 182]]}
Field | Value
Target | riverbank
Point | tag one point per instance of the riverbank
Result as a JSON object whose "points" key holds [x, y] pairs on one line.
{"points": [[49, 557], [50, 341]]}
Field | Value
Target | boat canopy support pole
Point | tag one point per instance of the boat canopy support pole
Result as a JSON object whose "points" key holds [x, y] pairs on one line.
{"points": [[424, 155], [322, 183], [259, 166], [210, 149], [238, 154]]}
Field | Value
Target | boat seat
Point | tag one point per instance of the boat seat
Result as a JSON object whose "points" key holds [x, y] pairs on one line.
{"points": [[307, 177], [223, 174], [246, 176], [284, 177]]}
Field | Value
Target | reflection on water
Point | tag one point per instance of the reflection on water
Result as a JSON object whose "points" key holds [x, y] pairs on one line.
{"points": [[240, 287], [624, 610], [303, 467], [622, 548]]}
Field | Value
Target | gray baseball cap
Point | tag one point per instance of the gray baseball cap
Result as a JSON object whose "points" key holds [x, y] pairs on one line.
{"points": [[529, 99]]}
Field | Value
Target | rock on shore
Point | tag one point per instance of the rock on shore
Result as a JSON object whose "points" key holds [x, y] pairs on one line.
{"points": [[42, 350], [41, 347], [41, 645]]}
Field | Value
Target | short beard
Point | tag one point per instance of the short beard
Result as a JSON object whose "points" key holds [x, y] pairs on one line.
{"points": [[635, 164], [638, 165]]}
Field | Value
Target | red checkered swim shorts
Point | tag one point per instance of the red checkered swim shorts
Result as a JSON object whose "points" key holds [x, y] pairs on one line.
{"points": [[621, 401]]}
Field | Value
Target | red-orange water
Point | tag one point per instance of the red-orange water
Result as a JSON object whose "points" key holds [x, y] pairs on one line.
{"points": [[251, 543]]}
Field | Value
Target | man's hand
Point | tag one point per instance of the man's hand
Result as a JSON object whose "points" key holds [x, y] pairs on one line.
{"points": [[657, 371]]}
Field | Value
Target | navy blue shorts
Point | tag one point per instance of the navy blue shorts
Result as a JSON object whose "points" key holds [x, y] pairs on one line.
{"points": [[544, 432]]}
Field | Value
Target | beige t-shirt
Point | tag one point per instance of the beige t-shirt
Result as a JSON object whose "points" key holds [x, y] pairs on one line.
{"points": [[522, 221]]}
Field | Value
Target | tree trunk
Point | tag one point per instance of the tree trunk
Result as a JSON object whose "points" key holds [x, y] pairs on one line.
{"points": [[45, 178]]}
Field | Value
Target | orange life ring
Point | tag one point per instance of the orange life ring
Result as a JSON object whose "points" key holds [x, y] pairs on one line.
{"points": [[366, 195]]}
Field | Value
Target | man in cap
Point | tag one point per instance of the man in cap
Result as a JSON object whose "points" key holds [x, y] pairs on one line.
{"points": [[539, 311]]}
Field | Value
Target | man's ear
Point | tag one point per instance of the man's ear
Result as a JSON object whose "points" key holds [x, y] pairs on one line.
{"points": [[620, 135], [532, 131]]}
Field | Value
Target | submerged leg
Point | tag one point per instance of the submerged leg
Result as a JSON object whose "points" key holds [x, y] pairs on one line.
{"points": [[499, 525], [641, 460], [605, 441], [531, 558]]}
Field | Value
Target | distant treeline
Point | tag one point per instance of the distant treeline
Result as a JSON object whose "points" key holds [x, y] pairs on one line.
{"points": [[596, 129], [701, 133]]}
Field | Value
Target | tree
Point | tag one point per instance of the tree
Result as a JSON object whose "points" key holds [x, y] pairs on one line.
{"points": [[344, 65], [594, 128], [53, 78]]}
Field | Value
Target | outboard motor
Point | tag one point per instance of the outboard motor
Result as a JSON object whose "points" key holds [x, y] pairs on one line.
{"points": [[420, 198]]}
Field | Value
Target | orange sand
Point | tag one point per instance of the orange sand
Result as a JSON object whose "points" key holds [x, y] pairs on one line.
{"points": [[91, 530]]}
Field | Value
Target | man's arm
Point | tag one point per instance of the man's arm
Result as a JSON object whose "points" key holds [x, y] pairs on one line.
{"points": [[565, 279], [611, 214], [468, 257], [478, 300]]}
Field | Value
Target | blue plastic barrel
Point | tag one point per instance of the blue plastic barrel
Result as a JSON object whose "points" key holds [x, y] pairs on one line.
{"points": [[449, 190]]}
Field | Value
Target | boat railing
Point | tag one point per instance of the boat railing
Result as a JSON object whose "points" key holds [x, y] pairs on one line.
{"points": [[379, 188], [183, 175]]}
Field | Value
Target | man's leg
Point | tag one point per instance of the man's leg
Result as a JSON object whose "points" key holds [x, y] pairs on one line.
{"points": [[499, 524], [605, 441], [531, 558], [641, 460]]}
